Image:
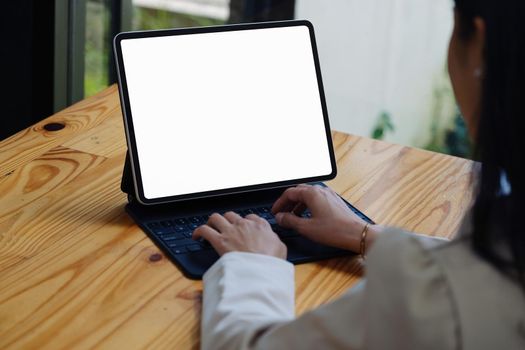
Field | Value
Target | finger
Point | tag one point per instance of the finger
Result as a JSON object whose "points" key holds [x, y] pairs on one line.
{"points": [[218, 222], [299, 209], [289, 220], [254, 217], [291, 197], [208, 233], [282, 201], [232, 217]]}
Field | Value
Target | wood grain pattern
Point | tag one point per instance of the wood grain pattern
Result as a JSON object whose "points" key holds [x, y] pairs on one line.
{"points": [[32, 142], [106, 139], [35, 179], [76, 272]]}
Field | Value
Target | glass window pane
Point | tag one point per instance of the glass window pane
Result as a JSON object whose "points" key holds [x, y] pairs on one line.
{"points": [[97, 48], [157, 14]]}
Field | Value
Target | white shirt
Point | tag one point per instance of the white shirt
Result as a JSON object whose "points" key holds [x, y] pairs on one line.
{"points": [[419, 293]]}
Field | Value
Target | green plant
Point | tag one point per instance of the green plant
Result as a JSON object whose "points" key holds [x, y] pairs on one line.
{"points": [[457, 141], [447, 135], [383, 126]]}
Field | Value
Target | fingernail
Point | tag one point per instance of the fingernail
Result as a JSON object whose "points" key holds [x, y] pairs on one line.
{"points": [[278, 217]]}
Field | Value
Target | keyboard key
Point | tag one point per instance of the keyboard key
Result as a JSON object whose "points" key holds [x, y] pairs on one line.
{"points": [[180, 221], [264, 210], [181, 250], [248, 212], [266, 216], [194, 247], [153, 225], [188, 234], [162, 230], [166, 223], [195, 220], [193, 226], [180, 228], [172, 237]]}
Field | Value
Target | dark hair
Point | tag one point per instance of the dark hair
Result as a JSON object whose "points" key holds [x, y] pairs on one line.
{"points": [[498, 230]]}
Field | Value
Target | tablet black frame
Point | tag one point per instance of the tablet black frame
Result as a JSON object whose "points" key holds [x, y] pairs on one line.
{"points": [[128, 120]]}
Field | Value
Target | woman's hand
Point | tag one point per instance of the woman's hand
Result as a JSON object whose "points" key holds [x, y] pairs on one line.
{"points": [[231, 232], [332, 222]]}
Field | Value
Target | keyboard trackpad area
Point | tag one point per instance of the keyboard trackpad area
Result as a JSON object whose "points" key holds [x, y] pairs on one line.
{"points": [[194, 264]]}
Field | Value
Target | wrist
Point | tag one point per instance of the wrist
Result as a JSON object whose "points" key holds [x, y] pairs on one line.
{"points": [[357, 233], [352, 235]]}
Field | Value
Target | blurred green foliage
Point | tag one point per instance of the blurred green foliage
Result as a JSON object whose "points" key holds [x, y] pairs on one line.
{"points": [[447, 135], [454, 140], [147, 19], [96, 49], [383, 126], [448, 132]]}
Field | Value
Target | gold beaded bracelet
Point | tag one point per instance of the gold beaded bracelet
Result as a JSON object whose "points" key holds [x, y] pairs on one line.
{"points": [[362, 245]]}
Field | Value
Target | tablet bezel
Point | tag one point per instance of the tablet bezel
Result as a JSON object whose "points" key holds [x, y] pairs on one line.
{"points": [[128, 120]]}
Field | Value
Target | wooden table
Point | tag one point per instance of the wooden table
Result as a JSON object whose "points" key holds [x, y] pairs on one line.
{"points": [[75, 271]]}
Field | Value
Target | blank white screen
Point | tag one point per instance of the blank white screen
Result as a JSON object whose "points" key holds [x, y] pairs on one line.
{"points": [[222, 110]]}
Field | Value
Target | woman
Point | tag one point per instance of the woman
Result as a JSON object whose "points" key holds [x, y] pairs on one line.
{"points": [[419, 292]]}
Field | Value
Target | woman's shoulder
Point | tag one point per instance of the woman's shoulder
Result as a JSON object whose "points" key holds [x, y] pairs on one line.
{"points": [[490, 305], [462, 293], [407, 290]]}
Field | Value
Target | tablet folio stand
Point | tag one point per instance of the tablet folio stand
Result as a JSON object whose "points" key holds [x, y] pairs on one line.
{"points": [[126, 184]]}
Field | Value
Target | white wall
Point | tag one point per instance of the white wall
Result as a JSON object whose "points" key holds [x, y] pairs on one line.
{"points": [[382, 55]]}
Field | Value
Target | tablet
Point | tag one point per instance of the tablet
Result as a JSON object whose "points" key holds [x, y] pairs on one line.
{"points": [[224, 109]]}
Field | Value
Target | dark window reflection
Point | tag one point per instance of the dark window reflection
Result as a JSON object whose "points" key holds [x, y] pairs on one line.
{"points": [[261, 10]]}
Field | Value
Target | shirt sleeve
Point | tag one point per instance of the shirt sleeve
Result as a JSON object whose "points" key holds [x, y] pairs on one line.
{"points": [[244, 294], [404, 303]]}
